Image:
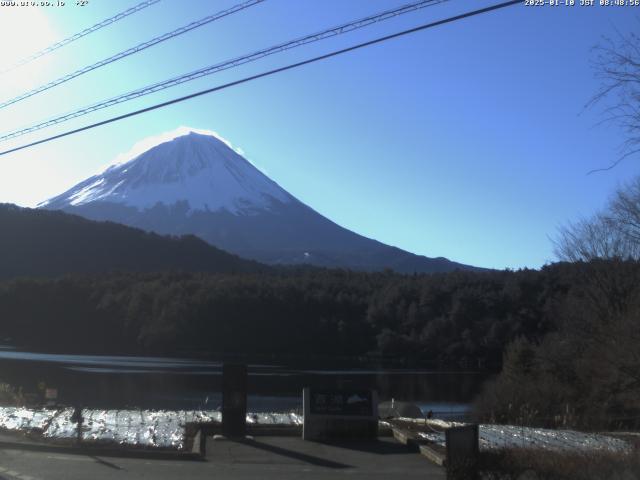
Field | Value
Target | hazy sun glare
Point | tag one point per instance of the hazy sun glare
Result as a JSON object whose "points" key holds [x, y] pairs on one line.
{"points": [[23, 31]]}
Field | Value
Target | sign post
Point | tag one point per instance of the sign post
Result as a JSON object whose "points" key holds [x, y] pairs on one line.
{"points": [[51, 396]]}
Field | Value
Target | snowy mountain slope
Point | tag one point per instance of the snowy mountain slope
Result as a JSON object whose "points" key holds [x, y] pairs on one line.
{"points": [[197, 184], [196, 168]]}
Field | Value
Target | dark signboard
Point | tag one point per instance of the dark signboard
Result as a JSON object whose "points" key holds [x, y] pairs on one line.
{"points": [[349, 403]]}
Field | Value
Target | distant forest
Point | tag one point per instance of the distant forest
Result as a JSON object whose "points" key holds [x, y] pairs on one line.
{"points": [[453, 320]]}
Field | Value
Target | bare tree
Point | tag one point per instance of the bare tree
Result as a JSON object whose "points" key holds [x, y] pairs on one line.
{"points": [[588, 239], [625, 210], [617, 65], [612, 233]]}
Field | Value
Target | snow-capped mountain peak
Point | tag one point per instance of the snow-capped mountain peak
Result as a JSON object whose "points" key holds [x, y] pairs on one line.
{"points": [[197, 183], [198, 168]]}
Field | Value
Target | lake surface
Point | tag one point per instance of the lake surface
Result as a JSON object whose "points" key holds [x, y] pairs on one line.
{"points": [[98, 381]]}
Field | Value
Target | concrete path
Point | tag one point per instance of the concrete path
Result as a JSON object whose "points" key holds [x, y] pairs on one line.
{"points": [[262, 458]]}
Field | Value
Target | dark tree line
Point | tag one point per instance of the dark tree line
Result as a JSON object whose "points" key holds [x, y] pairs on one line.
{"points": [[459, 319], [585, 372]]}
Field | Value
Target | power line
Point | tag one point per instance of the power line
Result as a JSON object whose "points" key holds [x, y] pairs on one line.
{"points": [[86, 31], [344, 28], [269, 73], [130, 51]]}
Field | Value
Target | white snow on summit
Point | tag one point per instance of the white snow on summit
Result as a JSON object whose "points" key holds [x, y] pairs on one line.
{"points": [[199, 168], [148, 143]]}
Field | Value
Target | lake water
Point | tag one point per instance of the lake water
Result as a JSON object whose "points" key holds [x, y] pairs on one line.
{"points": [[171, 383]]}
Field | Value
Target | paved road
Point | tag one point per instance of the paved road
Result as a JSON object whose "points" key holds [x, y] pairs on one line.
{"points": [[263, 458]]}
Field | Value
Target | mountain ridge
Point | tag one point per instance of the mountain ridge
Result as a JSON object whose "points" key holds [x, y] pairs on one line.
{"points": [[46, 243], [196, 183]]}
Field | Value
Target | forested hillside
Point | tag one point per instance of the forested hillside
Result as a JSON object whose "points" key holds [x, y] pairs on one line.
{"points": [[45, 243], [585, 372], [459, 319]]}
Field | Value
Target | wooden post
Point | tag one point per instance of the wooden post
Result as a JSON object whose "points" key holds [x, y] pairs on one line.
{"points": [[234, 400]]}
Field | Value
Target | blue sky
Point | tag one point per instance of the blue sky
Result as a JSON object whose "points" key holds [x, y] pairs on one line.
{"points": [[468, 141]]}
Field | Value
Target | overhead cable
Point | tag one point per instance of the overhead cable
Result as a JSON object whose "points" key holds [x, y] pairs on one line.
{"points": [[331, 32], [267, 74], [130, 51]]}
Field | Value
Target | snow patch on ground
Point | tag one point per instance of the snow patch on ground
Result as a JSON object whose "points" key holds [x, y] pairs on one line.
{"points": [[144, 428], [496, 437]]}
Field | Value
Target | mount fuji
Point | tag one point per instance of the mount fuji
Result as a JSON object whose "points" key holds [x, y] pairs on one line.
{"points": [[196, 183]]}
